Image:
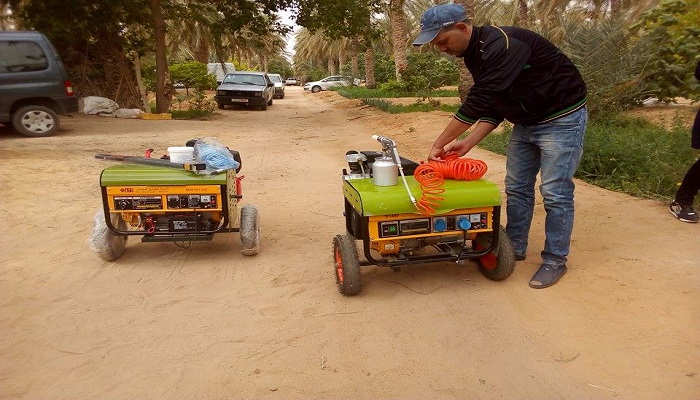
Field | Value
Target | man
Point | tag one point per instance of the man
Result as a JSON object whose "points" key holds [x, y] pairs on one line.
{"points": [[523, 78]]}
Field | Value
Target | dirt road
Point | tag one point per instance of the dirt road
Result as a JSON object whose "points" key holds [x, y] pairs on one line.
{"points": [[205, 322]]}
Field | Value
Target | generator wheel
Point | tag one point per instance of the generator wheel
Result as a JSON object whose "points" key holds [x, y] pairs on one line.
{"points": [[250, 230], [500, 264], [107, 244], [347, 265]]}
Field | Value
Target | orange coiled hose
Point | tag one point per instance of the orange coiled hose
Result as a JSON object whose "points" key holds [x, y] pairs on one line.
{"points": [[431, 176]]}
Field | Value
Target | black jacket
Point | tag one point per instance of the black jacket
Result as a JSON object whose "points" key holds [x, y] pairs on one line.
{"points": [[519, 76]]}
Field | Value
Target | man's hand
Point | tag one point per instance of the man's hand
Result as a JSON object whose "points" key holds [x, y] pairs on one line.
{"points": [[458, 147], [436, 153]]}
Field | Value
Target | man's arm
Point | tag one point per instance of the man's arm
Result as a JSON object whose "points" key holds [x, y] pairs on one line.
{"points": [[462, 147]]}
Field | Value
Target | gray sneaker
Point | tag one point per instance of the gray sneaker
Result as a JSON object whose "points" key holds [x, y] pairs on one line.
{"points": [[684, 212]]}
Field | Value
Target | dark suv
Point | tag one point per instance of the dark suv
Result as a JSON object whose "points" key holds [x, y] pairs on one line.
{"points": [[245, 88], [34, 86]]}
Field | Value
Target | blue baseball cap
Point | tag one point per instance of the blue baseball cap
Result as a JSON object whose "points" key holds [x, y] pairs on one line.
{"points": [[437, 18]]}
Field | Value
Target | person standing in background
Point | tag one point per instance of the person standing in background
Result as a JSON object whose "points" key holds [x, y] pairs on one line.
{"points": [[682, 206]]}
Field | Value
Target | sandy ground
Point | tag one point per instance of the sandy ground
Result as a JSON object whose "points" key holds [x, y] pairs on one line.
{"points": [[205, 322]]}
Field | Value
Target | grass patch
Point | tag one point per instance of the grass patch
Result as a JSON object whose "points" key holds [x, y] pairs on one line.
{"points": [[627, 154], [387, 106], [191, 114], [361, 92]]}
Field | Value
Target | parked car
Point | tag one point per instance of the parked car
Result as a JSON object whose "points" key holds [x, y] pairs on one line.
{"points": [[34, 85], [291, 82], [279, 85], [220, 70], [327, 82], [245, 88]]}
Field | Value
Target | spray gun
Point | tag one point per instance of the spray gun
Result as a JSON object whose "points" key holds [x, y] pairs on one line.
{"points": [[384, 169]]}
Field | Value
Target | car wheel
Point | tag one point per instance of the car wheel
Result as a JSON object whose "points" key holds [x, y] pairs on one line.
{"points": [[35, 121], [315, 89], [221, 106], [263, 107], [269, 103]]}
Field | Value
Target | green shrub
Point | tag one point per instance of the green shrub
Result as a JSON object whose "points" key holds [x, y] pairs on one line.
{"points": [[627, 154], [190, 114], [192, 74]]}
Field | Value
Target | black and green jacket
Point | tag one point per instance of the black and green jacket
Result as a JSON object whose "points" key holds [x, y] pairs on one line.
{"points": [[518, 76]]}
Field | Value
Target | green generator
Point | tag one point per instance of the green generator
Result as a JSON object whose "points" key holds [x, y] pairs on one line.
{"points": [[165, 204], [393, 232]]}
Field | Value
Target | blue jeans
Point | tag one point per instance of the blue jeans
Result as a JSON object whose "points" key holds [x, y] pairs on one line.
{"points": [[555, 150]]}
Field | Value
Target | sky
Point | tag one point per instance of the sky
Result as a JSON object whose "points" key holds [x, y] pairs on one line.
{"points": [[285, 16]]}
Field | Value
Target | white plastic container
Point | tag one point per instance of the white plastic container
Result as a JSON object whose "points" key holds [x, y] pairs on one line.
{"points": [[181, 155]]}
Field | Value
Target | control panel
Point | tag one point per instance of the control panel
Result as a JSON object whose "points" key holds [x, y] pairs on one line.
{"points": [[174, 202], [165, 198], [422, 226]]}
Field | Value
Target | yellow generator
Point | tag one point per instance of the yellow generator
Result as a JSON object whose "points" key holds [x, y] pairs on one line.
{"points": [[169, 202], [381, 212]]}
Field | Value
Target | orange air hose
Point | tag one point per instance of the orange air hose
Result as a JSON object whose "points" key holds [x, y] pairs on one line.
{"points": [[431, 176]]}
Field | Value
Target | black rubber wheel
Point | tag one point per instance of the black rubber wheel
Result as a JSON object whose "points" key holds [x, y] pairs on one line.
{"points": [[263, 107], [35, 121], [269, 103], [221, 106], [500, 264], [347, 265], [315, 89], [250, 230], [281, 97], [107, 244]]}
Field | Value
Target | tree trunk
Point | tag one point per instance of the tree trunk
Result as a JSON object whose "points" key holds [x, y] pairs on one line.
{"points": [[201, 53], [354, 62], [465, 78], [398, 36], [615, 8], [523, 20], [341, 60], [331, 66], [139, 83], [162, 103], [370, 81]]}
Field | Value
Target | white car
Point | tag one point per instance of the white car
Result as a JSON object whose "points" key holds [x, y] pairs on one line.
{"points": [[291, 82], [327, 82], [279, 85]]}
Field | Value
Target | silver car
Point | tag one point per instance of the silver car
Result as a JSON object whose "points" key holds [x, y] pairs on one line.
{"points": [[279, 85], [327, 82]]}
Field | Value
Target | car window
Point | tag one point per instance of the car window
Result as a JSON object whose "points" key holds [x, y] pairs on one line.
{"points": [[245, 79], [22, 56], [275, 78]]}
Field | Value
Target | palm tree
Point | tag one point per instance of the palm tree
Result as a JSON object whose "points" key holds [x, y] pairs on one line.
{"points": [[465, 78], [397, 17]]}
